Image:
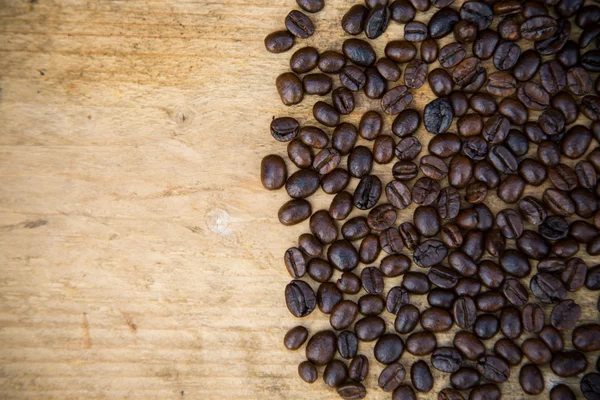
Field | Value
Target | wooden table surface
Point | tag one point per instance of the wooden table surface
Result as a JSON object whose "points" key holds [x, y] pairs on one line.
{"points": [[140, 256]]}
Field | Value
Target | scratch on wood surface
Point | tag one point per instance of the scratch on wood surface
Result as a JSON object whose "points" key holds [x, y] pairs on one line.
{"points": [[129, 321], [35, 224], [85, 326]]}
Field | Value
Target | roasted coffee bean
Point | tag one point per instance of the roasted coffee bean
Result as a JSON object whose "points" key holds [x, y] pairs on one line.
{"points": [[319, 270], [429, 50], [554, 228], [451, 55], [326, 114], [460, 171], [592, 280], [430, 253], [465, 32], [443, 298], [409, 235], [426, 221], [344, 137], [388, 349], [490, 301], [353, 22], [508, 29], [510, 223], [279, 41], [343, 100], [328, 295], [501, 84], [590, 386], [360, 161], [284, 129], [446, 359], [359, 52], [415, 74], [369, 329], [400, 51], [468, 287], [465, 312], [442, 22], [304, 60], [586, 174], [295, 262], [440, 82], [348, 283], [343, 314], [396, 99], [391, 377], [531, 379], [511, 189], [318, 84], [396, 298], [510, 322], [532, 316], [359, 368], [415, 31], [295, 338], [425, 191], [408, 148], [438, 116], [299, 24], [532, 171], [503, 159], [331, 62], [407, 318], [469, 345], [406, 123], [313, 137], [342, 255], [538, 28], [485, 44], [388, 69], [421, 377], [335, 181], [321, 347], [367, 192], [568, 363], [552, 122], [416, 282], [290, 88], [311, 6], [547, 288], [308, 372], [563, 177], [565, 315], [375, 85], [561, 392], [558, 202], [516, 141], [554, 43], [576, 142], [493, 369], [421, 343], [404, 392], [495, 243], [382, 217], [377, 21], [515, 292], [294, 211], [573, 276], [478, 13], [533, 96], [444, 145], [347, 344], [486, 173], [383, 149], [579, 81], [565, 103], [459, 103], [470, 125], [551, 338], [351, 390], [372, 280], [335, 373], [273, 172], [476, 193], [509, 351], [398, 194], [341, 206], [310, 245], [533, 245], [436, 319], [394, 265], [506, 55], [353, 78], [465, 378], [548, 153], [536, 351], [371, 304], [475, 147]]}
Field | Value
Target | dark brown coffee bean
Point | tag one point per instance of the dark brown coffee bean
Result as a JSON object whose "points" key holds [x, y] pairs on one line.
{"points": [[425, 191], [383, 149], [396, 99], [568, 363], [533, 318], [509, 351], [300, 298], [388, 349], [465, 378], [465, 32], [342, 255], [295, 338], [347, 345], [406, 123], [279, 41], [359, 368], [533, 96], [531, 379], [430, 253], [304, 60], [565, 315], [294, 211], [510, 322], [351, 390], [558, 202], [485, 44], [536, 351], [493, 369], [509, 28], [398, 194], [343, 314], [555, 42], [566, 104], [349, 283], [538, 28], [377, 21], [400, 51], [408, 148], [451, 55], [371, 304], [391, 377], [421, 343], [331, 62], [353, 78], [367, 192], [562, 392], [433, 167], [442, 22], [344, 137], [396, 298], [415, 31], [429, 50], [391, 241], [421, 377], [328, 295]]}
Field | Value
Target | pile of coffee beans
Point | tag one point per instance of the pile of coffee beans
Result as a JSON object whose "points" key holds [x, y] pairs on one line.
{"points": [[513, 123]]}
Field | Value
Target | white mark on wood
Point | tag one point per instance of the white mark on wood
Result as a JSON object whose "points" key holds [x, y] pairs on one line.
{"points": [[218, 222]]}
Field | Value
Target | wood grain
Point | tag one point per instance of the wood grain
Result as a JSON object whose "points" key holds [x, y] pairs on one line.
{"points": [[141, 258]]}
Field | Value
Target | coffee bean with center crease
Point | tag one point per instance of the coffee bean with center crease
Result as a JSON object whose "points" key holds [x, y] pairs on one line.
{"points": [[343, 314], [579, 81], [562, 392], [284, 129], [408, 148], [354, 19], [558, 202], [464, 312], [391, 241], [331, 62], [493, 369], [468, 73], [573, 276], [367, 192], [554, 43], [353, 78], [552, 122], [347, 344], [515, 292], [446, 359], [503, 159], [295, 262], [415, 31], [438, 116], [510, 223], [425, 191], [377, 21], [547, 288], [343, 100], [563, 177], [391, 377], [396, 99], [538, 28], [506, 55], [372, 279], [351, 390], [433, 167], [516, 113], [430, 253], [382, 217], [397, 297], [300, 298], [398, 194], [299, 24], [359, 368], [501, 84], [475, 147], [532, 316], [452, 54], [533, 96]]}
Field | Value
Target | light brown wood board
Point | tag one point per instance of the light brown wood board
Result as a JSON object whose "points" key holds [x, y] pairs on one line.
{"points": [[140, 257]]}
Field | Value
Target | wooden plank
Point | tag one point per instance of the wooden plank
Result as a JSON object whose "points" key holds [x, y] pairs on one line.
{"points": [[140, 256]]}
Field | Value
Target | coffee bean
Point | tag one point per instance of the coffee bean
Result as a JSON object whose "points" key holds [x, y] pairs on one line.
{"points": [[485, 44], [388, 349], [415, 31], [465, 32], [421, 343], [429, 50], [369, 329], [308, 372], [415, 282], [464, 312], [555, 42], [446, 359], [294, 211], [342, 255], [351, 390], [343, 314], [415, 74], [400, 51], [295, 262], [406, 123], [561, 392], [377, 21], [391, 377], [469, 345], [402, 11], [396, 99], [425, 191], [300, 298], [353, 78], [375, 85], [319, 270], [438, 116], [383, 149], [465, 378], [331, 62], [573, 276], [493, 368], [336, 372], [531, 379], [279, 41], [295, 338], [469, 74], [442, 22], [421, 377], [506, 55], [536, 351], [478, 13], [451, 55], [568, 363], [398, 194], [367, 192], [388, 69], [328, 295], [391, 241], [533, 96], [509, 351]]}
